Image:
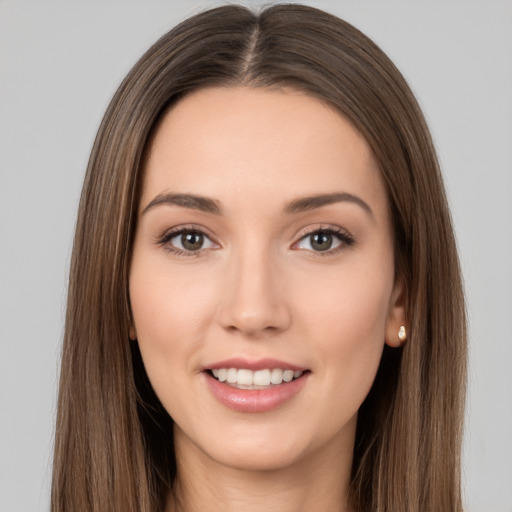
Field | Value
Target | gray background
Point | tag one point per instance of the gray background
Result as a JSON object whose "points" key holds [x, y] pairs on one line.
{"points": [[60, 63]]}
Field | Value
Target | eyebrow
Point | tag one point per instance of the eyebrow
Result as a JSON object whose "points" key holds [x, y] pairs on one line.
{"points": [[194, 202], [205, 204], [317, 201]]}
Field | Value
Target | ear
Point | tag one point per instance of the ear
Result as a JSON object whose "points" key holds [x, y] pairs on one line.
{"points": [[133, 332], [396, 315]]}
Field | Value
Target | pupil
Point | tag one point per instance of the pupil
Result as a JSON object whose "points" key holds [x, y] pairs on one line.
{"points": [[192, 241], [321, 241]]}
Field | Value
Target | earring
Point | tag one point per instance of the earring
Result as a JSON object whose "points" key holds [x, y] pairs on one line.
{"points": [[402, 335]]}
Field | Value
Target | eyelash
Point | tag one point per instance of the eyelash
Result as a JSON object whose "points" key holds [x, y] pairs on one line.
{"points": [[164, 240], [346, 240], [344, 237]]}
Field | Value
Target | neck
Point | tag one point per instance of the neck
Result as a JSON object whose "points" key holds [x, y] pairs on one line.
{"points": [[316, 482]]}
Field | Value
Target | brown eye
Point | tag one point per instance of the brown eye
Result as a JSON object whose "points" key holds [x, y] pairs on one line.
{"points": [[321, 241], [187, 242], [325, 241], [192, 241]]}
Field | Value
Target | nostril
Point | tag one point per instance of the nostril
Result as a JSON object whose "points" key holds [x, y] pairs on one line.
{"points": [[253, 329]]}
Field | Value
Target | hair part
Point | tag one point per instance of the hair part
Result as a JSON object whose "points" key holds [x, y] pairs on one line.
{"points": [[113, 444]]}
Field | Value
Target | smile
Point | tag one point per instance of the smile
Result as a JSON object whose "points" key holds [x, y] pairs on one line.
{"points": [[259, 379], [255, 387]]}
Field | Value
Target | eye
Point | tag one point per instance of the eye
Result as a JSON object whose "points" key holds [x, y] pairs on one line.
{"points": [[324, 241], [187, 241]]}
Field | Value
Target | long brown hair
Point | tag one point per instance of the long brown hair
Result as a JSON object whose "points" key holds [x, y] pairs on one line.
{"points": [[113, 445]]}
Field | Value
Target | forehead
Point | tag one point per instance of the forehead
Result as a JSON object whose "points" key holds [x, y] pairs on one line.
{"points": [[248, 144]]}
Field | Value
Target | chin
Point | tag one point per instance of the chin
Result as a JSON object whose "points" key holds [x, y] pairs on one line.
{"points": [[255, 459], [259, 448]]}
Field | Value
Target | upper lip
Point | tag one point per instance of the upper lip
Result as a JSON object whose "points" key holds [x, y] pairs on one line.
{"points": [[254, 364]]}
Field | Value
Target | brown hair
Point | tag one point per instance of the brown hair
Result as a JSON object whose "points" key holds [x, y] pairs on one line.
{"points": [[113, 446]]}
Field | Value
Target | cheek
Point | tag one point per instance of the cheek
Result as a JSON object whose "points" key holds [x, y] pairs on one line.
{"points": [[350, 303], [345, 314], [171, 311]]}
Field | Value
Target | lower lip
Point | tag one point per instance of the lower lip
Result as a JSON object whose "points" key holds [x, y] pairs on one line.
{"points": [[255, 400]]}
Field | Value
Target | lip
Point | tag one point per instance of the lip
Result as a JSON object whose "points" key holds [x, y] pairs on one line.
{"points": [[258, 364], [254, 400]]}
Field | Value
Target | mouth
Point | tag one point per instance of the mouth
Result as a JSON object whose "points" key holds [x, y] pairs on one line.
{"points": [[255, 387], [266, 378]]}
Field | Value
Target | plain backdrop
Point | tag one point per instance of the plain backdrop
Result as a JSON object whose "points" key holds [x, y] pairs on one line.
{"points": [[61, 62]]}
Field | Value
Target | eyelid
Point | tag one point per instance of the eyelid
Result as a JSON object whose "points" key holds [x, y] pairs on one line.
{"points": [[164, 239], [344, 236]]}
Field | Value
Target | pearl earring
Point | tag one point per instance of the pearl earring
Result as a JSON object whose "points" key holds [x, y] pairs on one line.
{"points": [[402, 335]]}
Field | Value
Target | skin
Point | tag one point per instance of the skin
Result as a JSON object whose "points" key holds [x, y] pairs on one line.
{"points": [[257, 289]]}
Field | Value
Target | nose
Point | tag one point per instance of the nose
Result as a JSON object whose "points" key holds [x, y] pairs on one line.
{"points": [[254, 300]]}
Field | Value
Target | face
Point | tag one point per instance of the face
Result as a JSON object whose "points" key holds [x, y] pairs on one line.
{"points": [[262, 281]]}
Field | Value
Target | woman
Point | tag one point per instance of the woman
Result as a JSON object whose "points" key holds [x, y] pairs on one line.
{"points": [[265, 305]]}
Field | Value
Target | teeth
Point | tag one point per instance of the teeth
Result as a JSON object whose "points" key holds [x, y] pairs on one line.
{"points": [[247, 379], [244, 377], [276, 377], [288, 375], [261, 378]]}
